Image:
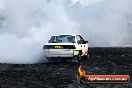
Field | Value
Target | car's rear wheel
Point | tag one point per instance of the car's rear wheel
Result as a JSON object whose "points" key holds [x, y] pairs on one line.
{"points": [[77, 58]]}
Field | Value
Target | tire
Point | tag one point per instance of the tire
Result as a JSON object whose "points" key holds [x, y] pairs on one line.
{"points": [[77, 58]]}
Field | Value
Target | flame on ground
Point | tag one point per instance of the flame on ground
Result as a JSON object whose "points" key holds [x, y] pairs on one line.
{"points": [[81, 71]]}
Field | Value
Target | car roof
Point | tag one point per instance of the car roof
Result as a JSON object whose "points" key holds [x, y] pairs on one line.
{"points": [[65, 34]]}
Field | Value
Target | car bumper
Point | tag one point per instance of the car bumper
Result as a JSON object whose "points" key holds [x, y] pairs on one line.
{"points": [[58, 53]]}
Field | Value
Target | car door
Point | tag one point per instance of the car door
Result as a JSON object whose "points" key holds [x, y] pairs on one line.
{"points": [[81, 43]]}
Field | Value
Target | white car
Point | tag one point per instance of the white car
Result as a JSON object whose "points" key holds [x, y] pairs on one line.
{"points": [[66, 46]]}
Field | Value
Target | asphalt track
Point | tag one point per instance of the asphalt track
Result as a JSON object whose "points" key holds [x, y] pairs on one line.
{"points": [[103, 60]]}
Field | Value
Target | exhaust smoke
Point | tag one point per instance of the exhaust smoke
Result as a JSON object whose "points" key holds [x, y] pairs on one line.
{"points": [[26, 25]]}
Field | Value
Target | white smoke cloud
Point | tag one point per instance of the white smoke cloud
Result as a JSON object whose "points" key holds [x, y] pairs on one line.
{"points": [[28, 24], [16, 50], [1, 3], [105, 23], [85, 3]]}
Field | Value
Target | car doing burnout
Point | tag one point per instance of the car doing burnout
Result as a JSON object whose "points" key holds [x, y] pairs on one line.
{"points": [[66, 46]]}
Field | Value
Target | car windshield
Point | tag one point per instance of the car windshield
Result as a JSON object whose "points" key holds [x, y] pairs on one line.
{"points": [[62, 39]]}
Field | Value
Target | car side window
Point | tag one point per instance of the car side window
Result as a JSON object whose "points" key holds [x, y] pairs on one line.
{"points": [[80, 39]]}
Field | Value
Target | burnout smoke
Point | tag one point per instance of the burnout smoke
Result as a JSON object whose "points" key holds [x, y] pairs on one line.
{"points": [[25, 25]]}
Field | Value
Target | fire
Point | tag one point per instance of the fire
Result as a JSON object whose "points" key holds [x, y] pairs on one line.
{"points": [[81, 71]]}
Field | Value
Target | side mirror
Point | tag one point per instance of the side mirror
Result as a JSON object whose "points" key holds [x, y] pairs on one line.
{"points": [[86, 42]]}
